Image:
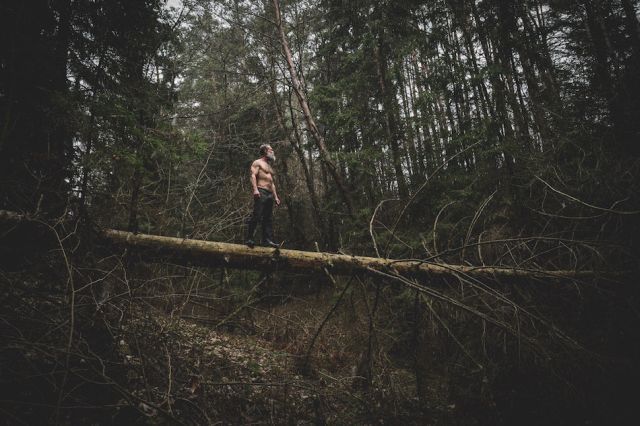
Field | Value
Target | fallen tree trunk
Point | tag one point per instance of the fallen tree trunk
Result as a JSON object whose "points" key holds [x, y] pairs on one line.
{"points": [[210, 253]]}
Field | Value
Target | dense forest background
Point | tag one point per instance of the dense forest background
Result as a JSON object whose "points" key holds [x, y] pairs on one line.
{"points": [[468, 132]]}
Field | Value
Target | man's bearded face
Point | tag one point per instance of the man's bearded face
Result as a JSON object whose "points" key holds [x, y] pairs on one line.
{"points": [[271, 157]]}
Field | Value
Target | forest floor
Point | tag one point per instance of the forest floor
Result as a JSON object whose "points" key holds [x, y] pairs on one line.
{"points": [[253, 370], [240, 353], [139, 363]]}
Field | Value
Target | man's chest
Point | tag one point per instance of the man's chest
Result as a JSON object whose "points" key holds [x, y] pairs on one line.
{"points": [[265, 169]]}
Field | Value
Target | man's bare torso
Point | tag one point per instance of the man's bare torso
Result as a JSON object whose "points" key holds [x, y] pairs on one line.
{"points": [[264, 177]]}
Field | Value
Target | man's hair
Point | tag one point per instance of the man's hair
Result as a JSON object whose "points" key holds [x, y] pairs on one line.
{"points": [[263, 148]]}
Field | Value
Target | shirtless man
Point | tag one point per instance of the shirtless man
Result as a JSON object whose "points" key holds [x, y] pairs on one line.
{"points": [[264, 195]]}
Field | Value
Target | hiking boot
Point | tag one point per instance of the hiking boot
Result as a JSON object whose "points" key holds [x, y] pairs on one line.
{"points": [[269, 243]]}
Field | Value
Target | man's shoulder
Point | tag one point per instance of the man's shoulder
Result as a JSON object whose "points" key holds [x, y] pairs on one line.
{"points": [[261, 163]]}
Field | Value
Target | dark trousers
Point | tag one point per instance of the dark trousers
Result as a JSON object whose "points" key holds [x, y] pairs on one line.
{"points": [[262, 212]]}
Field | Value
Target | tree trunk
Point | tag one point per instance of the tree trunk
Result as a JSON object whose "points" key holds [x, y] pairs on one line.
{"points": [[211, 254], [136, 182], [34, 134], [391, 124], [294, 141], [311, 125]]}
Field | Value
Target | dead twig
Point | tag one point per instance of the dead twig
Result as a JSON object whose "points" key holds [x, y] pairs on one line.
{"points": [[324, 322], [584, 203]]}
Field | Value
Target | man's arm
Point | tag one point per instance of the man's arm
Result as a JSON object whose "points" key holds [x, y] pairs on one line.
{"points": [[275, 194], [253, 176]]}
